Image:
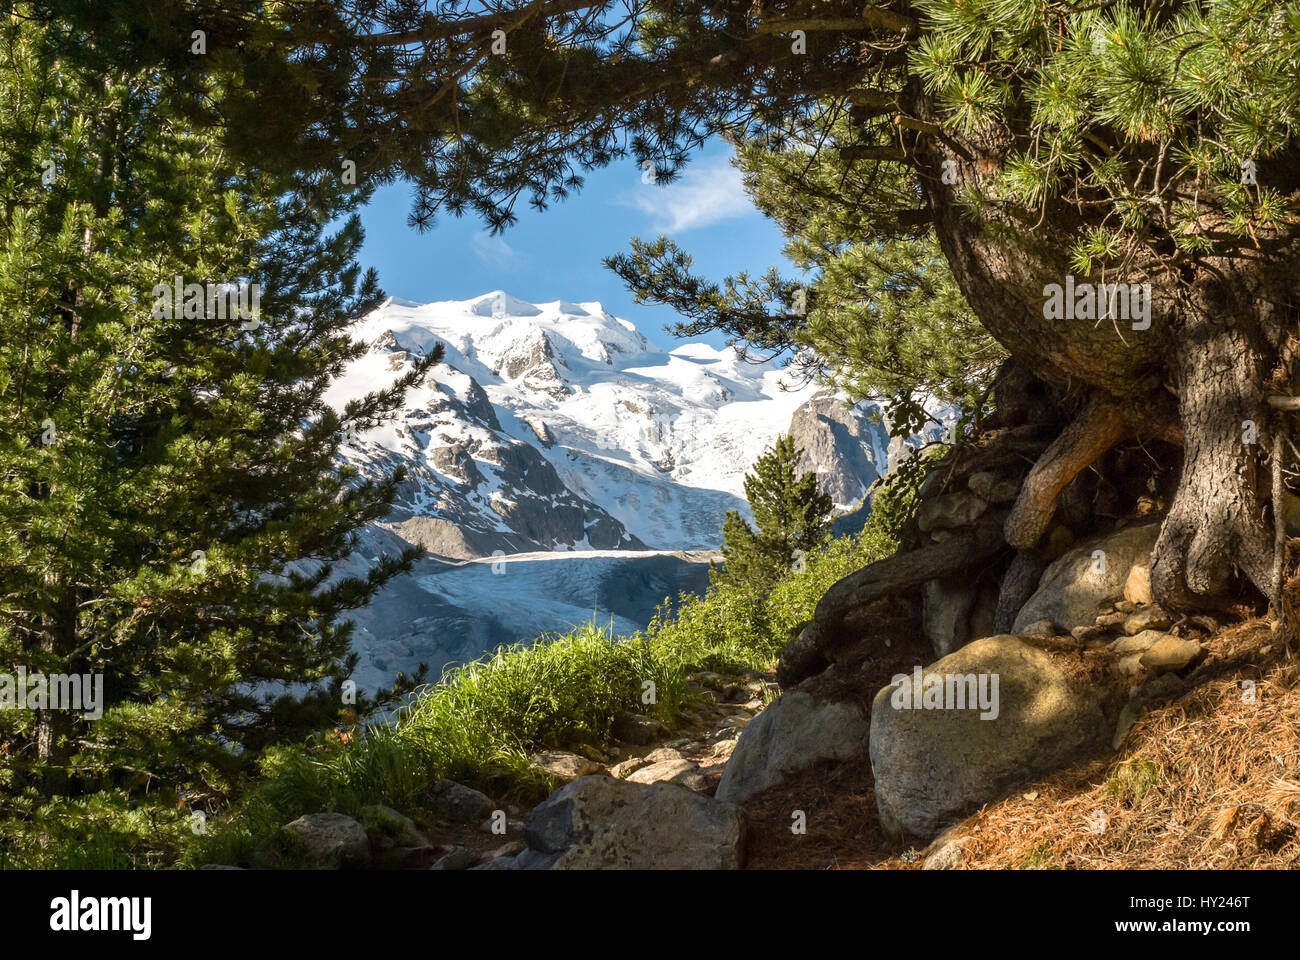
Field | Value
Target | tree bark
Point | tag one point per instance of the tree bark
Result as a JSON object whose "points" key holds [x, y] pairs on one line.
{"points": [[804, 656], [1216, 522], [1094, 431]]}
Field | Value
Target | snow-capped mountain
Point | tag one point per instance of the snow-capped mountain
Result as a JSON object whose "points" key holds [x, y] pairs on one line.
{"points": [[557, 427]]}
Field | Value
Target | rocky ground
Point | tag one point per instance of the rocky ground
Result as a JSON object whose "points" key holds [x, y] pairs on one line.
{"points": [[1098, 727]]}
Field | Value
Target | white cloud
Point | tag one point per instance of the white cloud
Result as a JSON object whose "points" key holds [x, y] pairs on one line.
{"points": [[494, 251], [705, 194]]}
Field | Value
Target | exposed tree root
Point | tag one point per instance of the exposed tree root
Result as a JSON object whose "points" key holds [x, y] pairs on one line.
{"points": [[805, 655], [1094, 431], [1018, 585]]}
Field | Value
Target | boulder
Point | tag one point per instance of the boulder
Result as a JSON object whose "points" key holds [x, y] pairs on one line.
{"points": [[795, 731], [603, 823], [1079, 584], [460, 803], [997, 712], [636, 728], [331, 840]]}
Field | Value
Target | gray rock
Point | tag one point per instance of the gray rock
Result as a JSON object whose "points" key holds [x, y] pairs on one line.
{"points": [[724, 748], [459, 802], [794, 732], [988, 487], [1147, 618], [331, 839], [1090, 633], [945, 607], [1130, 665], [603, 823], [1170, 654], [637, 728], [1127, 717], [1158, 688], [565, 766], [933, 765], [458, 858], [1040, 628], [958, 509], [629, 766], [672, 771], [1074, 588], [505, 851], [660, 754], [840, 445], [1140, 643], [412, 858], [946, 856], [387, 828], [528, 860]]}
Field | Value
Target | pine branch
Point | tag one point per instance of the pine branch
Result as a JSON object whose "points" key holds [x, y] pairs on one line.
{"points": [[873, 18], [480, 25]]}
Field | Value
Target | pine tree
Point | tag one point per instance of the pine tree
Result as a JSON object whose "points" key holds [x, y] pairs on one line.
{"points": [[172, 507], [874, 318], [1145, 143], [793, 519]]}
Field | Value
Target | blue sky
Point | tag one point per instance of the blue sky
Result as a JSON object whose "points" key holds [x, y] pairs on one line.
{"points": [[556, 254]]}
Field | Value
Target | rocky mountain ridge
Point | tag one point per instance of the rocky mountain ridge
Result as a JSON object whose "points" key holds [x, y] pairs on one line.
{"points": [[575, 459], [559, 426]]}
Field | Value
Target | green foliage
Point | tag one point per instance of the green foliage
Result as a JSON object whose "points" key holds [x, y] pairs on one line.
{"points": [[107, 830], [172, 507], [893, 498], [1203, 90], [879, 313], [793, 518], [481, 722], [1129, 780]]}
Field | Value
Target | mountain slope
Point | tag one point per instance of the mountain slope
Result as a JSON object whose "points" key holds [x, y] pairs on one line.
{"points": [[559, 427]]}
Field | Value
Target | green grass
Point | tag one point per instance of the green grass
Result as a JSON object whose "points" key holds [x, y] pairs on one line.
{"points": [[478, 725], [1039, 858], [1131, 779]]}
